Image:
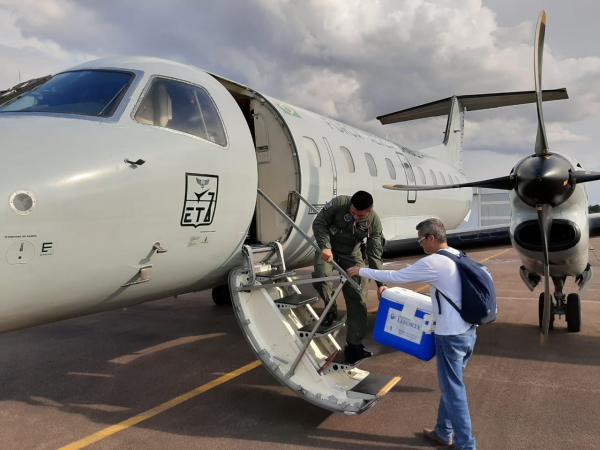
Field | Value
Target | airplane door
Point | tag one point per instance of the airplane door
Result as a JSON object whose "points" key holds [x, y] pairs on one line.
{"points": [[411, 196], [333, 166]]}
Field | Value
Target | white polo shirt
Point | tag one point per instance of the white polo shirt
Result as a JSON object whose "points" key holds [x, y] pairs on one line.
{"points": [[441, 273]]}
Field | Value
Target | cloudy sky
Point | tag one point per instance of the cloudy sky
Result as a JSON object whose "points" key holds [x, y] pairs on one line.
{"points": [[349, 59]]}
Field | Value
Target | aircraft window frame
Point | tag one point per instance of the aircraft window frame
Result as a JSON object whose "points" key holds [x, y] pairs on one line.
{"points": [[348, 158], [391, 168], [422, 175], [433, 178], [116, 103], [314, 154], [371, 164], [146, 91]]}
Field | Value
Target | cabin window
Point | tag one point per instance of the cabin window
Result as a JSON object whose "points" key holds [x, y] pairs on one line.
{"points": [[348, 158], [443, 178], [391, 168], [422, 175], [82, 92], [371, 164], [183, 107], [433, 178], [312, 151]]}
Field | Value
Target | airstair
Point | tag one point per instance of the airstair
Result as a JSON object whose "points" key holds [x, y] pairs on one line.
{"points": [[288, 335]]}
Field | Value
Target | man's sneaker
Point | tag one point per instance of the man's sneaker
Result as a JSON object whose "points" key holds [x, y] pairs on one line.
{"points": [[432, 436], [356, 352]]}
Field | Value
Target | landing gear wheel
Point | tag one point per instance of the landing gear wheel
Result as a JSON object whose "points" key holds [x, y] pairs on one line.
{"points": [[541, 312], [221, 295], [573, 313]]}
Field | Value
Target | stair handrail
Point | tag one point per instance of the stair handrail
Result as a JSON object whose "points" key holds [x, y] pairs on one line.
{"points": [[342, 272], [309, 339]]}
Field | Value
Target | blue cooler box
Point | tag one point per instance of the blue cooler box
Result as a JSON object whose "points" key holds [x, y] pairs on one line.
{"points": [[404, 322]]}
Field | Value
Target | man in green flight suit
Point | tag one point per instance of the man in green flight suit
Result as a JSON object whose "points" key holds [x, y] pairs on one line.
{"points": [[340, 228]]}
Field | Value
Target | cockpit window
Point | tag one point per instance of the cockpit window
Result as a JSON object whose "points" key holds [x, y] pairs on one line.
{"points": [[84, 92], [182, 107]]}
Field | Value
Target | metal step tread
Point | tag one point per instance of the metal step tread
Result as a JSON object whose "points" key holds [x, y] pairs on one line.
{"points": [[337, 362], [375, 385], [296, 300], [323, 329], [274, 274]]}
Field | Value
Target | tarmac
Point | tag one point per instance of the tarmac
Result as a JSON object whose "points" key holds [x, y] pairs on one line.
{"points": [[176, 373]]}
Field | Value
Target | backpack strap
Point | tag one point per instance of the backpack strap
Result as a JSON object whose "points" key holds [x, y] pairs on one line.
{"points": [[453, 257], [437, 296]]}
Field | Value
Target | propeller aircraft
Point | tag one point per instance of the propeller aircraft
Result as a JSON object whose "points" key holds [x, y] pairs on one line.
{"points": [[549, 221]]}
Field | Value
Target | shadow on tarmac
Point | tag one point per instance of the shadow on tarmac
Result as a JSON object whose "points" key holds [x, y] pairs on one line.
{"points": [[522, 341]]}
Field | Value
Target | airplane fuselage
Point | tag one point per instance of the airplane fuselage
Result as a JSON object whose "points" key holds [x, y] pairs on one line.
{"points": [[108, 211]]}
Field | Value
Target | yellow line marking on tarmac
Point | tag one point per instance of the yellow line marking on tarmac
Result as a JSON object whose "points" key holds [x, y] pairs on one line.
{"points": [[495, 255], [423, 288], [126, 359], [91, 374], [390, 384], [132, 421]]}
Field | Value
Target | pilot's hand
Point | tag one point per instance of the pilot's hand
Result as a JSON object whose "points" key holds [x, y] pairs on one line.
{"points": [[353, 271], [380, 290], [327, 255]]}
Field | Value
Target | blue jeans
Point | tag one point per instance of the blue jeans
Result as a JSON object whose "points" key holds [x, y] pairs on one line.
{"points": [[454, 421]]}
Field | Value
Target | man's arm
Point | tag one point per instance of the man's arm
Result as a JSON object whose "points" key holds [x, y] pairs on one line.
{"points": [[419, 272], [322, 223], [375, 246]]}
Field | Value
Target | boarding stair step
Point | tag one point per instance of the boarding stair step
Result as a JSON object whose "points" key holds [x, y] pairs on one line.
{"points": [[323, 329], [337, 362], [373, 386], [295, 301], [274, 274]]}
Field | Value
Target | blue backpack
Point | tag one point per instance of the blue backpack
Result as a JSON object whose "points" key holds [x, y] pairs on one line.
{"points": [[478, 292]]}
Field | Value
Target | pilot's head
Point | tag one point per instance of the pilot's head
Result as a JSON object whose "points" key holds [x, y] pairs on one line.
{"points": [[361, 205]]}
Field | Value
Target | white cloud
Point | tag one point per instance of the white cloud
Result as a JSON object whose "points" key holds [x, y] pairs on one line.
{"points": [[27, 57], [352, 60]]}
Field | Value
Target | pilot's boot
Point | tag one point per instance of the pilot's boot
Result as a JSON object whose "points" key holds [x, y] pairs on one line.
{"points": [[330, 317], [356, 352]]}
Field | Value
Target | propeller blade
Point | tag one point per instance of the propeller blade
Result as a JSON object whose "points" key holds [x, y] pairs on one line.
{"points": [[541, 141], [506, 183], [545, 221], [583, 176]]}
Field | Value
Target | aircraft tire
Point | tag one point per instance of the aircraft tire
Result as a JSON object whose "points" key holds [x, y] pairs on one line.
{"points": [[541, 313], [573, 313], [221, 295]]}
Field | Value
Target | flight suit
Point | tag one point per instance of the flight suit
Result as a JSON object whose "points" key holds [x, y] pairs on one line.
{"points": [[335, 228]]}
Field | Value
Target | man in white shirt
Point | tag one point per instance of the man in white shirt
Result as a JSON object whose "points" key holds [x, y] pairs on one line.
{"points": [[454, 338]]}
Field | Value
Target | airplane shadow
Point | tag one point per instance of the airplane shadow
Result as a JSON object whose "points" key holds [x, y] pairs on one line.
{"points": [[522, 341]]}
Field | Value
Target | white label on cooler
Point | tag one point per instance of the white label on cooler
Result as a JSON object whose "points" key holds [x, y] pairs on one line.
{"points": [[408, 329]]}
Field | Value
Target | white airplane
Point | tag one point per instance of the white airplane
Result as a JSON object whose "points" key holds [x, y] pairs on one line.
{"points": [[549, 221], [132, 179]]}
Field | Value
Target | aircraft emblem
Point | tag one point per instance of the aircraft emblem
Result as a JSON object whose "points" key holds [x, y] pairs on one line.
{"points": [[200, 200]]}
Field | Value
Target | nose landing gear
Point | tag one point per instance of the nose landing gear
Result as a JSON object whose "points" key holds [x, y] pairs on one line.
{"points": [[570, 306]]}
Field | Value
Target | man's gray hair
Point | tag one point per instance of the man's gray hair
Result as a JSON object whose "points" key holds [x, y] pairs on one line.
{"points": [[433, 227]]}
